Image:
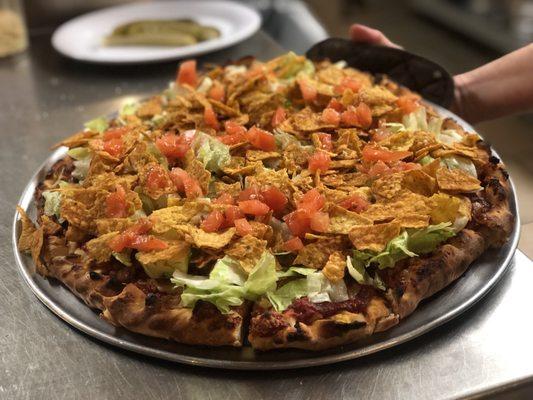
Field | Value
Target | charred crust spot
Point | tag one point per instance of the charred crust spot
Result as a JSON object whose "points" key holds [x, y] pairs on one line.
{"points": [[150, 299], [94, 275], [299, 334], [331, 328], [494, 160], [427, 268], [497, 189], [114, 284], [267, 324]]}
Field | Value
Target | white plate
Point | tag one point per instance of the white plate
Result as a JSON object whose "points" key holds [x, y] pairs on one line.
{"points": [[81, 38]]}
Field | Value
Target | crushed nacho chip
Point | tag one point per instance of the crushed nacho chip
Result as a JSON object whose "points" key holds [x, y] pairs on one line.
{"points": [[201, 239], [196, 169], [335, 267], [316, 254], [165, 219], [389, 186], [444, 208], [27, 231], [341, 221], [247, 250], [456, 180], [400, 141], [259, 155], [373, 237], [99, 249], [107, 225], [417, 181], [164, 262]]}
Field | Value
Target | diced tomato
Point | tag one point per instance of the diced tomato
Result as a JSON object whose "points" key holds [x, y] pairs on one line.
{"points": [[320, 222], [405, 166], [374, 153], [319, 160], [298, 222], [348, 83], [312, 201], [213, 221], [141, 227], [147, 243], [408, 103], [251, 193], [233, 128], [261, 139], [274, 198], [217, 91], [309, 92], [279, 116], [380, 134], [224, 198], [331, 117], [253, 207], [114, 146], [115, 133], [116, 206], [172, 146], [157, 178], [378, 169], [364, 115], [355, 203], [254, 71], [335, 104], [185, 183], [349, 117], [210, 118], [325, 141], [232, 213], [130, 236], [293, 244], [232, 139], [187, 73], [243, 227]]}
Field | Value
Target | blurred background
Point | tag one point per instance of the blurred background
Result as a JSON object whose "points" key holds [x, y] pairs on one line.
{"points": [[458, 34]]}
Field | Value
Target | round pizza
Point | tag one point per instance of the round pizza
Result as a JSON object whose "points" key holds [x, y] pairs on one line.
{"points": [[279, 204]]}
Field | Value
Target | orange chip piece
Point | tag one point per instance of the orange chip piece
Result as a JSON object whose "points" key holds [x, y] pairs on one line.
{"points": [[456, 180], [316, 254], [247, 250], [418, 181], [374, 237], [335, 267]]}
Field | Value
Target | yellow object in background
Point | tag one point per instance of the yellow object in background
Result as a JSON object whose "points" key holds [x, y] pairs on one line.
{"points": [[13, 34]]}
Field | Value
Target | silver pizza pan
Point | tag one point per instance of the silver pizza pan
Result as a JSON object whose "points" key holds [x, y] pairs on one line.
{"points": [[450, 303]]}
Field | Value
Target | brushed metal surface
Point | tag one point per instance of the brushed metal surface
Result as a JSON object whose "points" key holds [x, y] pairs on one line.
{"points": [[44, 98]]}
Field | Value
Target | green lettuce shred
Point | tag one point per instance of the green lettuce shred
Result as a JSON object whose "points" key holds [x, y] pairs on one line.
{"points": [[99, 125], [211, 152], [82, 160]]}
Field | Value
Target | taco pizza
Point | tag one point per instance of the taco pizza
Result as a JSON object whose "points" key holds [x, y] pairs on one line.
{"points": [[286, 203]]}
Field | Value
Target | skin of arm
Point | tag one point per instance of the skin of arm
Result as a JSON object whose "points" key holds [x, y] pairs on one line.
{"points": [[497, 89]]}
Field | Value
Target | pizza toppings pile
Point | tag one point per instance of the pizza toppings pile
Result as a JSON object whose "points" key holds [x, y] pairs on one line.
{"points": [[322, 202]]}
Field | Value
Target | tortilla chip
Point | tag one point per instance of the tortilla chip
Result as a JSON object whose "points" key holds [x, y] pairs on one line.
{"points": [[99, 249], [76, 140], [373, 237], [400, 141], [456, 180], [295, 157], [417, 221], [165, 219], [201, 239], [408, 203], [389, 186], [232, 189], [36, 249], [238, 166], [27, 231], [376, 96], [160, 261], [305, 121], [247, 250], [315, 255], [339, 164], [417, 181], [261, 231], [270, 177], [196, 169], [75, 234], [165, 186], [259, 155], [83, 207], [149, 108], [50, 227], [335, 267], [431, 168], [341, 221], [444, 208], [107, 225]]}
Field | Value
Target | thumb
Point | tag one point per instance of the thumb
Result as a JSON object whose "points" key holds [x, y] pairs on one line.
{"points": [[364, 34]]}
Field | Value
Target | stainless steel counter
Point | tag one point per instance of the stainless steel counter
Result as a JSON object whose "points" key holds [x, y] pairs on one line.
{"points": [[42, 99]]}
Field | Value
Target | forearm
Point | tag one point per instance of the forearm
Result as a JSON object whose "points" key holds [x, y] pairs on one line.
{"points": [[502, 87]]}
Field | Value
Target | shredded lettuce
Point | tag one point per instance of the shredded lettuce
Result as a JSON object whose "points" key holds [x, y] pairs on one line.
{"points": [[290, 65], [99, 125], [320, 289], [283, 139], [426, 160], [227, 285], [395, 127], [205, 85], [295, 271], [124, 257], [52, 202], [284, 296], [458, 162], [211, 152], [129, 108], [410, 243], [82, 157], [153, 150]]}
